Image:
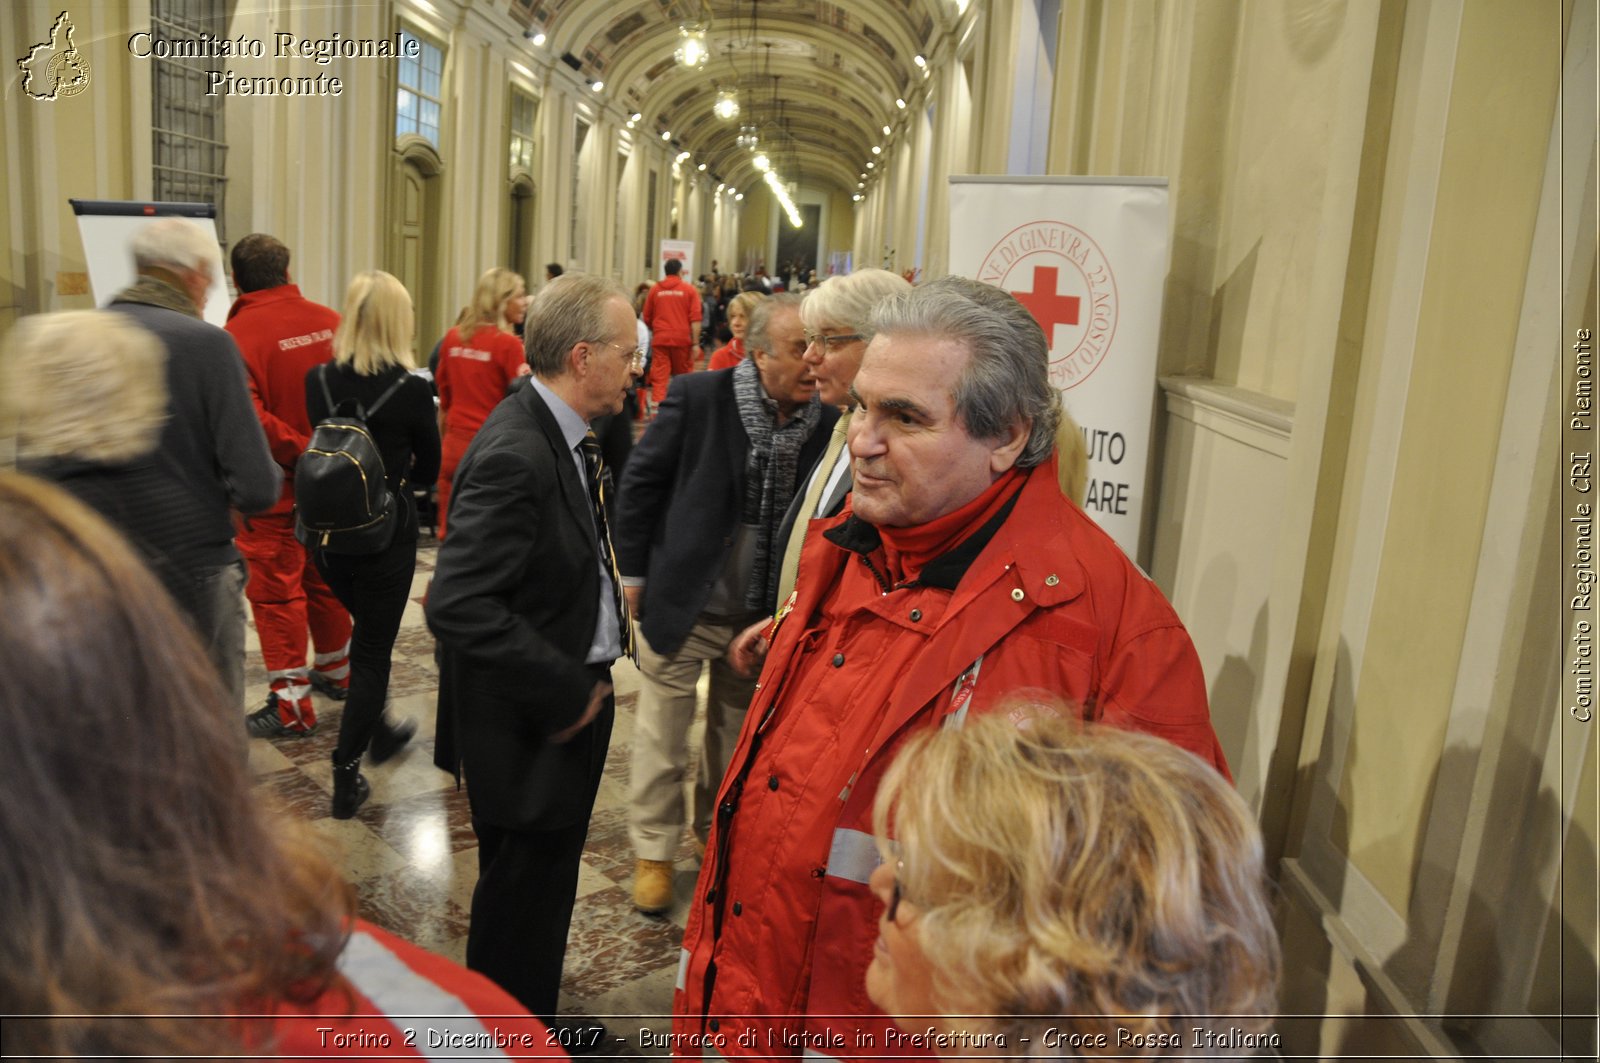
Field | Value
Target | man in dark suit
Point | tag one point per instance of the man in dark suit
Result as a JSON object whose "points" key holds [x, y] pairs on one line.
{"points": [[529, 618], [698, 548]]}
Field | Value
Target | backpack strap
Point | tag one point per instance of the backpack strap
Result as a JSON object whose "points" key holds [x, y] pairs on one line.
{"points": [[322, 378], [362, 412], [390, 390]]}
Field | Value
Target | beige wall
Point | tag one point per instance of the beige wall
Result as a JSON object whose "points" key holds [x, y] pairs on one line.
{"points": [[1466, 329], [1349, 297], [94, 145]]}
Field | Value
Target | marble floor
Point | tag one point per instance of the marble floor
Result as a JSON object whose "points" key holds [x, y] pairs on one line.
{"points": [[412, 856]]}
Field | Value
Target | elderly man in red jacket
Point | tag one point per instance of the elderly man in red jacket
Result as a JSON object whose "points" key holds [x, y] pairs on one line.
{"points": [[283, 335], [672, 313], [958, 577]]}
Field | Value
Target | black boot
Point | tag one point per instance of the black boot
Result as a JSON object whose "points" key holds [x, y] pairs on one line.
{"points": [[350, 788], [390, 739]]}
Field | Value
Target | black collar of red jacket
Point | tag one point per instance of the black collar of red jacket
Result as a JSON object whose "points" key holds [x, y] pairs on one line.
{"points": [[944, 571]]}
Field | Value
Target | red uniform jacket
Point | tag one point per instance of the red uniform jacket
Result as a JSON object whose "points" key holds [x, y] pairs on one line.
{"points": [[782, 907], [396, 1001], [671, 307], [728, 355], [282, 336]]}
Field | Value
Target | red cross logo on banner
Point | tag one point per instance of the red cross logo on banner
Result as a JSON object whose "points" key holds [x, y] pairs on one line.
{"points": [[1047, 307], [1067, 286]]}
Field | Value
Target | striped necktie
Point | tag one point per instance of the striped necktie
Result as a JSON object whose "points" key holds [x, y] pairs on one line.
{"points": [[596, 468]]}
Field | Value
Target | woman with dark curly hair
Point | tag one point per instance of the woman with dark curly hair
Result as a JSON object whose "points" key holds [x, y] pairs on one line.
{"points": [[153, 910], [1061, 889]]}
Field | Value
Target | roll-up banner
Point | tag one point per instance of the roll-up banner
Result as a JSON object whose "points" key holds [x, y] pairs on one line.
{"points": [[1088, 257], [683, 251]]}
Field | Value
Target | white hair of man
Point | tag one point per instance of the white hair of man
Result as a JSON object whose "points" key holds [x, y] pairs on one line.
{"points": [[174, 244], [847, 301]]}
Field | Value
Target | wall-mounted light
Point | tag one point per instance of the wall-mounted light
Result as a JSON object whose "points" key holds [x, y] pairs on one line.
{"points": [[919, 60], [885, 130], [900, 103], [536, 38], [738, 197], [666, 134], [870, 165], [597, 85], [691, 50], [876, 150], [856, 197], [701, 167]]}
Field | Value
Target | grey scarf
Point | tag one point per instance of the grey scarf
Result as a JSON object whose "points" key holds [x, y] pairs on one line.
{"points": [[769, 472]]}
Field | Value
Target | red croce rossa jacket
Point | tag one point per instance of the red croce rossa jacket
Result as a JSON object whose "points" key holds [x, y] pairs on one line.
{"points": [[782, 908], [282, 336]]}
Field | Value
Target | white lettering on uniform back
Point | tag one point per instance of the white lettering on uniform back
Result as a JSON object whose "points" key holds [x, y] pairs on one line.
{"points": [[307, 340]]}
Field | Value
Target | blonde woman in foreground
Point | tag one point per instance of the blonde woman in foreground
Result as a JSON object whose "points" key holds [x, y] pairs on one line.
{"points": [[1060, 889]]}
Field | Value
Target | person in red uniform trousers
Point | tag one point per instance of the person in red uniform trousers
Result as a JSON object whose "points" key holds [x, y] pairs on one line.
{"points": [[957, 576], [283, 335], [672, 313], [740, 308], [478, 360], [157, 908]]}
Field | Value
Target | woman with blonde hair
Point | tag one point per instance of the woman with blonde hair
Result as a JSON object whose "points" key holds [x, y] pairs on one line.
{"points": [[1072, 458], [1087, 891], [83, 400], [732, 353], [154, 908], [372, 359], [478, 360]]}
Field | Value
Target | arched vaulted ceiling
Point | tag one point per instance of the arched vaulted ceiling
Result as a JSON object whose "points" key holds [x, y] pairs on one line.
{"points": [[819, 80]]}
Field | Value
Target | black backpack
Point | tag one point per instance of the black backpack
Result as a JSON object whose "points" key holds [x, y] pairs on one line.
{"points": [[342, 502]]}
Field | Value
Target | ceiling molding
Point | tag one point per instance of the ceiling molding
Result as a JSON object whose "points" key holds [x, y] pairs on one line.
{"points": [[839, 67]]}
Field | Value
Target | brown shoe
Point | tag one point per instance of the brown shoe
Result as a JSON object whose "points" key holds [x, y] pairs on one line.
{"points": [[652, 886]]}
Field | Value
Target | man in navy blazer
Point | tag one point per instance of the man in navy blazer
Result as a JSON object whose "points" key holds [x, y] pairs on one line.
{"points": [[699, 551], [524, 606]]}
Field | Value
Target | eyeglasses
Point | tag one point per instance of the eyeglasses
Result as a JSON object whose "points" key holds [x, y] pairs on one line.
{"points": [[635, 359], [826, 342], [895, 893]]}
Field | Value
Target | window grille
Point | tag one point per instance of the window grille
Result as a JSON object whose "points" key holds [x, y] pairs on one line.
{"points": [[189, 148]]}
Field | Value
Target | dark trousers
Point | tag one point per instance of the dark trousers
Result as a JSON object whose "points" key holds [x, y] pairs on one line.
{"points": [[375, 588], [522, 905]]}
